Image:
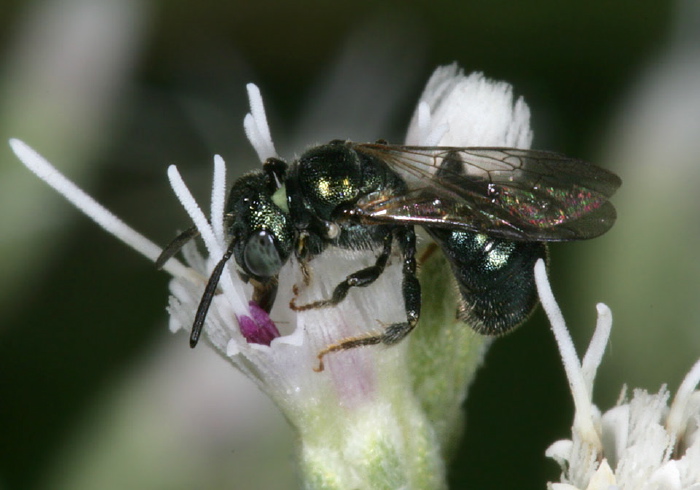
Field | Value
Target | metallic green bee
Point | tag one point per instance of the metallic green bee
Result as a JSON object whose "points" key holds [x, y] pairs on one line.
{"points": [[490, 210]]}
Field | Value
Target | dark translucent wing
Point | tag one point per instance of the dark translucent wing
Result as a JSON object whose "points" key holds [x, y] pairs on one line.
{"points": [[510, 193]]}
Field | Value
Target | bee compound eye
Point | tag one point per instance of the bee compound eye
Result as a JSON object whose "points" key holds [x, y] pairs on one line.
{"points": [[261, 256]]}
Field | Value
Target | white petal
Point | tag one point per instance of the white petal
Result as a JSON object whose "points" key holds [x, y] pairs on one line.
{"points": [[560, 451], [666, 478], [615, 427], [603, 478]]}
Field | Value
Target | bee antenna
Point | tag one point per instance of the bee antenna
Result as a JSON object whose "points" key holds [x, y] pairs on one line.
{"points": [[277, 168], [277, 181], [174, 247], [208, 296]]}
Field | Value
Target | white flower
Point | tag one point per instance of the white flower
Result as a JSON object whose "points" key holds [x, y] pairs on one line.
{"points": [[459, 110], [640, 444], [377, 415]]}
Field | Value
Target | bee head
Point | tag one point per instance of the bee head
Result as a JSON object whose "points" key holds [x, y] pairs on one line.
{"points": [[258, 222]]}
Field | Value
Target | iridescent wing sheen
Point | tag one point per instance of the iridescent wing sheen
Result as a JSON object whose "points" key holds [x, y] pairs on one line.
{"points": [[516, 194]]}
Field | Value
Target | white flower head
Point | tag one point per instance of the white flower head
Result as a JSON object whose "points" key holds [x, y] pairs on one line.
{"points": [[459, 110], [370, 405], [640, 444]]}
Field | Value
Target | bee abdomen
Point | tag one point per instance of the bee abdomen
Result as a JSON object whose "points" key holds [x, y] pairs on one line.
{"points": [[495, 278]]}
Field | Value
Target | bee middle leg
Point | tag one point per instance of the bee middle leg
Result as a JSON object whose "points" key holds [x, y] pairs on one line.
{"points": [[361, 278], [411, 291], [303, 257]]}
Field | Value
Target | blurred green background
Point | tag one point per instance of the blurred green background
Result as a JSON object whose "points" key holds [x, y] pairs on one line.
{"points": [[95, 392]]}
